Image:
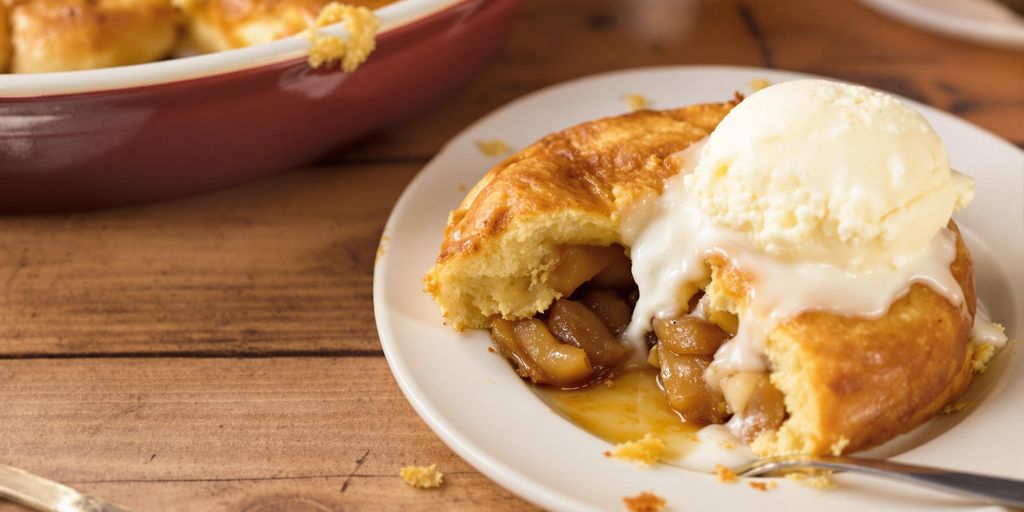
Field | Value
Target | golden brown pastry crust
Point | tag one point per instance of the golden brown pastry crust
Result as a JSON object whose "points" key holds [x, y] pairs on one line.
{"points": [[566, 188], [64, 35], [852, 383], [5, 37]]}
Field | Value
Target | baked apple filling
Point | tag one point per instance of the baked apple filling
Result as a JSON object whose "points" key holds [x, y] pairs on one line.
{"points": [[576, 343]]}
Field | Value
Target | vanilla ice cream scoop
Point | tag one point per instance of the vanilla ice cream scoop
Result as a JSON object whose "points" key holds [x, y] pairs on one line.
{"points": [[821, 171]]}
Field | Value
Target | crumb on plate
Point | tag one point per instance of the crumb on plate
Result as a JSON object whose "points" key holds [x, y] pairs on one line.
{"points": [[493, 147], [725, 475], [380, 247], [727, 444], [362, 26], [763, 486], [957, 407], [759, 83], [422, 477], [636, 101], [815, 480], [644, 502], [643, 452]]}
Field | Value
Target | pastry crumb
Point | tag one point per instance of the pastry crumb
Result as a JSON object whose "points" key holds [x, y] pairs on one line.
{"points": [[727, 445], [362, 26], [490, 349], [642, 452], [840, 445], [982, 355], [636, 101], [380, 247], [957, 407], [725, 475], [816, 480], [644, 502], [422, 477], [608, 383], [462, 188], [759, 83], [493, 147], [763, 486]]}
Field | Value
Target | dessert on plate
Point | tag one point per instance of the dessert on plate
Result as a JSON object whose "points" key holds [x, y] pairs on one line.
{"points": [[786, 261]]}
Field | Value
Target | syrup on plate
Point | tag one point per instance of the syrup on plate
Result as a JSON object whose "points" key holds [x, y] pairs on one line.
{"points": [[632, 405]]}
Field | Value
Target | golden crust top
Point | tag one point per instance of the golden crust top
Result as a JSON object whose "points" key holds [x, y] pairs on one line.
{"points": [[568, 188], [590, 167]]}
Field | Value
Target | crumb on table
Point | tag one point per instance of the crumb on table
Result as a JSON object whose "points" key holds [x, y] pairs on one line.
{"points": [[643, 452], [644, 502], [493, 147], [725, 475], [362, 26], [422, 477], [636, 101]]}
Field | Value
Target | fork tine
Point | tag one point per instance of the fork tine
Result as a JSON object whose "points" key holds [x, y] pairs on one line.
{"points": [[1002, 491]]}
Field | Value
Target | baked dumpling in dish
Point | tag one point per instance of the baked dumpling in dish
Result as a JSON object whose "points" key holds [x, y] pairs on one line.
{"points": [[217, 25], [541, 234], [66, 35], [5, 37]]}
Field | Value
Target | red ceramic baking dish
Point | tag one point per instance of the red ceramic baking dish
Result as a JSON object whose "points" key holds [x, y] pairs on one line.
{"points": [[87, 139]]}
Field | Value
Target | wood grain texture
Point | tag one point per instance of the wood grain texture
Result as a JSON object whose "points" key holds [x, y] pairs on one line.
{"points": [[557, 41], [219, 352], [228, 434], [282, 265]]}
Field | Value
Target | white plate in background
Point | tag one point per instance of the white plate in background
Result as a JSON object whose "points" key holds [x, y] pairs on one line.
{"points": [[474, 401], [981, 21]]}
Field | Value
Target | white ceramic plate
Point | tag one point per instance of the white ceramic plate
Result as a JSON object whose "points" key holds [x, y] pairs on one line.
{"points": [[982, 21], [474, 401]]}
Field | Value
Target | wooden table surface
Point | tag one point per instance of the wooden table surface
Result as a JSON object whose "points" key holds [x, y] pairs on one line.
{"points": [[219, 352]]}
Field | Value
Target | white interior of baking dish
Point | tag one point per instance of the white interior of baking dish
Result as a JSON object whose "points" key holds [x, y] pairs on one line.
{"points": [[198, 66]]}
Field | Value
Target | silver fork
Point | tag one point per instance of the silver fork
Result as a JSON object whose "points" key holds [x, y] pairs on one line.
{"points": [[38, 493], [1001, 491]]}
